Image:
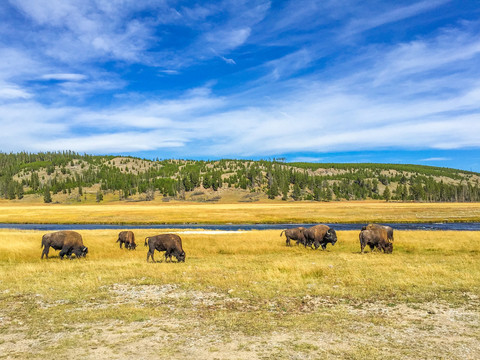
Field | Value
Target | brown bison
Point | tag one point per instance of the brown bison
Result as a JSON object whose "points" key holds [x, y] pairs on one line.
{"points": [[127, 238], [67, 242], [170, 243], [320, 235], [294, 234], [375, 238], [388, 230]]}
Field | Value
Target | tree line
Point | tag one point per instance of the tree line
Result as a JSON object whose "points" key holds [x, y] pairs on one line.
{"points": [[68, 172]]}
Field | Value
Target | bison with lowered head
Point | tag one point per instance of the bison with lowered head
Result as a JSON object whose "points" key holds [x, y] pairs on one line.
{"points": [[68, 242], [388, 230], [127, 238], [320, 235], [375, 238], [294, 234], [170, 243]]}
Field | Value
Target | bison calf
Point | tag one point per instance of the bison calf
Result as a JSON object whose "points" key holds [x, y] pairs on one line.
{"points": [[294, 234], [170, 243], [127, 238], [68, 242]]}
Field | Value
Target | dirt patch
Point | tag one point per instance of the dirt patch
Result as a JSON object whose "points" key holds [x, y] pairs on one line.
{"points": [[374, 330]]}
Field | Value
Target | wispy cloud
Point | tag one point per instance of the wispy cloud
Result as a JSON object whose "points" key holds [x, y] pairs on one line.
{"points": [[372, 21], [13, 92], [436, 159], [64, 77]]}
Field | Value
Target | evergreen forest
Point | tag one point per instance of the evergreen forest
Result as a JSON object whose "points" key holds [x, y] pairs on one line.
{"points": [[48, 174]]}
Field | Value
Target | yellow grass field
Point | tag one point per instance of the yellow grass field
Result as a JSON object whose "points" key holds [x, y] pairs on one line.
{"points": [[241, 295], [262, 212]]}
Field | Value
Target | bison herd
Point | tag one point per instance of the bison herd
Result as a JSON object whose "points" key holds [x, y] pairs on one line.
{"points": [[70, 242], [376, 236]]}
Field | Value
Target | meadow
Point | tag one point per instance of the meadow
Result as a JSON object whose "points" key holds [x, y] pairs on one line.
{"points": [[258, 212], [242, 295]]}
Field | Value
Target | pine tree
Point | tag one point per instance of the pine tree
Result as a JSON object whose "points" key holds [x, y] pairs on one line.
{"points": [[47, 196], [386, 194], [296, 194]]}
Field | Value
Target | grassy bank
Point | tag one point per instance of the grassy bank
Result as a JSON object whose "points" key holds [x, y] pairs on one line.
{"points": [[266, 212], [243, 295]]}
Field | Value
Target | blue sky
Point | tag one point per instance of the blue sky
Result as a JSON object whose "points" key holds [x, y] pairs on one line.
{"points": [[327, 81]]}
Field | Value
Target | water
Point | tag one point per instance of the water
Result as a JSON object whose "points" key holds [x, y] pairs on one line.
{"points": [[462, 226]]}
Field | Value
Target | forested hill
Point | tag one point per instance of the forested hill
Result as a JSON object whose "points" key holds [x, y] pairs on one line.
{"points": [[67, 177]]}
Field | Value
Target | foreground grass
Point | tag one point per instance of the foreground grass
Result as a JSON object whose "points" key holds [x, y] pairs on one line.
{"points": [[262, 212], [242, 295]]}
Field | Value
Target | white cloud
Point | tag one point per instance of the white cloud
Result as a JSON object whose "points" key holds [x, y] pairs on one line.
{"points": [[227, 39], [64, 77], [169, 72], [118, 142], [228, 61], [372, 21], [13, 92], [436, 159]]}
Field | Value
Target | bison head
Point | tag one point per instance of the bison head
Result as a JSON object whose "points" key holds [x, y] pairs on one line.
{"points": [[84, 251], [181, 257], [331, 236], [388, 248]]}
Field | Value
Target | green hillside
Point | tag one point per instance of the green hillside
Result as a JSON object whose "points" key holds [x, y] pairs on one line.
{"points": [[68, 176]]}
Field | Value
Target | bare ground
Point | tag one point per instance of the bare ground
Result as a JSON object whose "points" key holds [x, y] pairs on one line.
{"points": [[179, 325]]}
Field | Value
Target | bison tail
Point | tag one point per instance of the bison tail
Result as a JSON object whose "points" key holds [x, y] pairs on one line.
{"points": [[282, 233], [146, 241]]}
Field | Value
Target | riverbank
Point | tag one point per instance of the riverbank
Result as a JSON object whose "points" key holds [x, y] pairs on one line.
{"points": [[240, 213]]}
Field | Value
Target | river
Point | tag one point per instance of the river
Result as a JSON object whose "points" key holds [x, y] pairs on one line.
{"points": [[460, 226]]}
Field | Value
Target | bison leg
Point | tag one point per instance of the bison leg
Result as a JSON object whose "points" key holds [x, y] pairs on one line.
{"points": [[45, 251], [362, 246], [69, 254], [287, 242], [62, 254]]}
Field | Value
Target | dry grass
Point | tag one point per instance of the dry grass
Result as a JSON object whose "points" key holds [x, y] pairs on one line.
{"points": [[262, 212], [244, 296]]}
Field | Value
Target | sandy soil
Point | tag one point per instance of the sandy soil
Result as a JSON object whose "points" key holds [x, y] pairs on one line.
{"points": [[369, 330]]}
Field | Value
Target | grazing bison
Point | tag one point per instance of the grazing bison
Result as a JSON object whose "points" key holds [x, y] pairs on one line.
{"points": [[294, 234], [375, 238], [67, 242], [127, 238], [320, 235], [388, 229], [170, 243]]}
